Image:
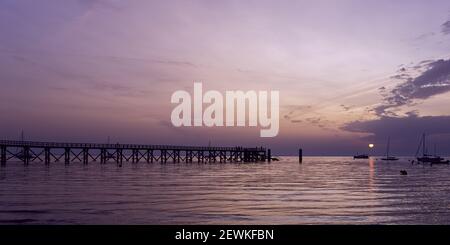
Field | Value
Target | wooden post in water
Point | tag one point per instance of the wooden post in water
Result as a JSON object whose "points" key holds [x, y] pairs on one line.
{"points": [[3, 155], [269, 155], [300, 155]]}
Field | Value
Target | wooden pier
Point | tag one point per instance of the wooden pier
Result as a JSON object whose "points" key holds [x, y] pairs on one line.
{"points": [[49, 152]]}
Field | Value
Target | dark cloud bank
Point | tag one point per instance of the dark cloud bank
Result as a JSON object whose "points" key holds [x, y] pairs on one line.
{"points": [[406, 130]]}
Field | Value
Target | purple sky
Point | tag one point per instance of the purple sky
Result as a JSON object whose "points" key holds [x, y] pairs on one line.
{"points": [[349, 72]]}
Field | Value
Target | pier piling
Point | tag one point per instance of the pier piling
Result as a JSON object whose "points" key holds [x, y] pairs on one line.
{"points": [[300, 155], [2, 155]]}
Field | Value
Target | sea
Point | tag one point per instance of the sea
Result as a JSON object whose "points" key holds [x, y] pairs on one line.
{"points": [[320, 190]]}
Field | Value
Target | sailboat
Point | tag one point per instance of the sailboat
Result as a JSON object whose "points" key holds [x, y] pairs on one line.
{"points": [[427, 158], [389, 158]]}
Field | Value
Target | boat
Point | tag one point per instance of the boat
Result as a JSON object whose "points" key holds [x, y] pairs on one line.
{"points": [[432, 159], [361, 156], [389, 158], [428, 158]]}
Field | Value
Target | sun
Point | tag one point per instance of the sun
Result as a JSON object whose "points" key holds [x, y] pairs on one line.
{"points": [[371, 145]]}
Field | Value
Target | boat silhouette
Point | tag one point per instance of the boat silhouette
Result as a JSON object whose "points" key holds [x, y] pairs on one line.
{"points": [[428, 158], [389, 158], [361, 156]]}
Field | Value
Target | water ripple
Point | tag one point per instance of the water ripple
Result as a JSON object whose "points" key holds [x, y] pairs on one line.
{"points": [[322, 190]]}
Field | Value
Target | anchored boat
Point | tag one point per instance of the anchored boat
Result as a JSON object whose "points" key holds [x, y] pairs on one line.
{"points": [[389, 158], [361, 156], [427, 158]]}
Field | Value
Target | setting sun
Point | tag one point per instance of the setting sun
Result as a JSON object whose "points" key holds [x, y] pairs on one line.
{"points": [[371, 145]]}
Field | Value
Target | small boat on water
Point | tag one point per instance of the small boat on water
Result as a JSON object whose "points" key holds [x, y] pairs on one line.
{"points": [[361, 156], [389, 158], [432, 159], [428, 158]]}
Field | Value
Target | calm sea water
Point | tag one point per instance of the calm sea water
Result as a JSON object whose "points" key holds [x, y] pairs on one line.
{"points": [[322, 190]]}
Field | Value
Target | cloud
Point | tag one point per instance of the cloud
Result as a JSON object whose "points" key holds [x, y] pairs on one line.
{"points": [[345, 107], [433, 81], [295, 111], [424, 36], [401, 126], [102, 4], [296, 121], [320, 122], [404, 131], [446, 27]]}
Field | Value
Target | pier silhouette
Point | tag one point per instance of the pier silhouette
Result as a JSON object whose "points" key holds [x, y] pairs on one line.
{"points": [[48, 152]]}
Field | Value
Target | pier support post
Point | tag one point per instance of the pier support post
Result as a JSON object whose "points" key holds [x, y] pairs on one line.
{"points": [[3, 155], [47, 155], [85, 156], [134, 156], [300, 155], [200, 156], [211, 156], [246, 156], [163, 156], [176, 156], [222, 156], [66, 155], [269, 155], [137, 156], [147, 159], [119, 159], [26, 155], [188, 156], [151, 156], [102, 156]]}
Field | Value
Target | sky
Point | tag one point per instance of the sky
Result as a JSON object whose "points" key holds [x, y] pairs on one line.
{"points": [[349, 73]]}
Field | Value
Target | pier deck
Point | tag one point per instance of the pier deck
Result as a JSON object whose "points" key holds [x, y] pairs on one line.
{"points": [[48, 152]]}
